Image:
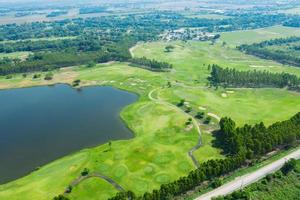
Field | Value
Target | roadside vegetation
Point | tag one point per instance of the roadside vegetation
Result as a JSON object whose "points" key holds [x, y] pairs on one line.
{"points": [[281, 185]]}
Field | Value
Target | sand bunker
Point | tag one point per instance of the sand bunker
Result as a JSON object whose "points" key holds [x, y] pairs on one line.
{"points": [[224, 95]]}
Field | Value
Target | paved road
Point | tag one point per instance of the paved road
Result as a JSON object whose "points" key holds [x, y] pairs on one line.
{"points": [[247, 179]]}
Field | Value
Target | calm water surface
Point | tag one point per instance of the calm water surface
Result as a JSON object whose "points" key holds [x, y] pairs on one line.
{"points": [[41, 124]]}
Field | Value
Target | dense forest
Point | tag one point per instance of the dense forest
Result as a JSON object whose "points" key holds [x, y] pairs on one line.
{"points": [[283, 50], [241, 144], [255, 79], [57, 56]]}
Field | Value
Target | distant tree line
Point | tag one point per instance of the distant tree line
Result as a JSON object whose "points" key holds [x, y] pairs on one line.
{"points": [[57, 13], [283, 54], [241, 144], [151, 64], [293, 22], [89, 10], [84, 43], [255, 79], [152, 24], [47, 60]]}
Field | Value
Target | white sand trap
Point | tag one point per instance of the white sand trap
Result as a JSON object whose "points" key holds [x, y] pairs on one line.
{"points": [[230, 92], [186, 103], [261, 66], [201, 108], [214, 116], [224, 95]]}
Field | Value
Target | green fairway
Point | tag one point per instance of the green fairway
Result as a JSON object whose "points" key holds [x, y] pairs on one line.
{"points": [[243, 105], [191, 59], [257, 35]]}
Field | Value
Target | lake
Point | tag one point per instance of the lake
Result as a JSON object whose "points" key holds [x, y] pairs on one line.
{"points": [[41, 124]]}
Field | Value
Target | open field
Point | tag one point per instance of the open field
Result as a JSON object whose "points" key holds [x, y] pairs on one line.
{"points": [[236, 38], [191, 59], [293, 11], [206, 16], [243, 106], [21, 55]]}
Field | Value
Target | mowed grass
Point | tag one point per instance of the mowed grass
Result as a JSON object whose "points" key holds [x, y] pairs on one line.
{"points": [[236, 38], [91, 188], [190, 59], [207, 149], [190, 62], [242, 105], [157, 154]]}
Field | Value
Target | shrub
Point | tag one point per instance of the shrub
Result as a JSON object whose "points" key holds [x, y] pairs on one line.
{"points": [[85, 172], [181, 103], [35, 76], [9, 77], [48, 76]]}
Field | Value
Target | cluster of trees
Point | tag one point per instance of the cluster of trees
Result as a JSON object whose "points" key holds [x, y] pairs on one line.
{"points": [[57, 13], [232, 78], [151, 64], [293, 22], [77, 55], [90, 10], [283, 54], [241, 143], [84, 43]]}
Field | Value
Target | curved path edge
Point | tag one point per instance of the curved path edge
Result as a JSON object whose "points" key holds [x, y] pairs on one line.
{"points": [[96, 175], [199, 143]]}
